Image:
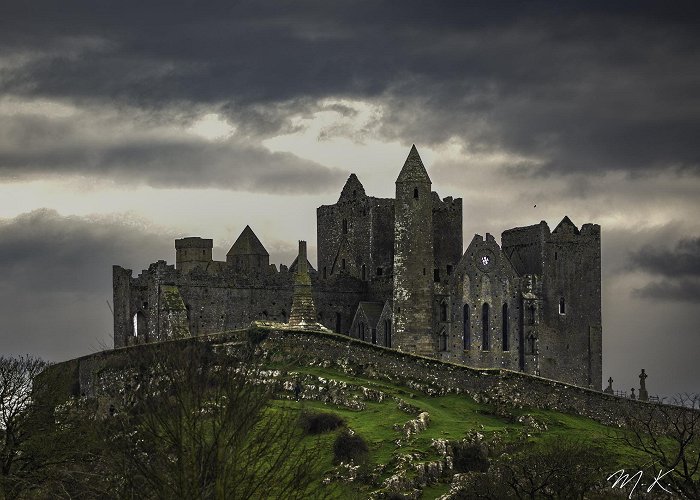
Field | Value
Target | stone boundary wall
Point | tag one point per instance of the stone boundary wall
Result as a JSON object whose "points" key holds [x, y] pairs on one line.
{"points": [[499, 387], [434, 377]]}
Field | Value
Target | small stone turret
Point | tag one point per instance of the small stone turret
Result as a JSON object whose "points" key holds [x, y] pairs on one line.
{"points": [[191, 252]]}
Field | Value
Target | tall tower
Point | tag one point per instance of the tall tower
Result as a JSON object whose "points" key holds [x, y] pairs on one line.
{"points": [[413, 259]]}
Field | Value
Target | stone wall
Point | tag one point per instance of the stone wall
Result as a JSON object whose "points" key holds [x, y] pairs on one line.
{"points": [[346, 355]]}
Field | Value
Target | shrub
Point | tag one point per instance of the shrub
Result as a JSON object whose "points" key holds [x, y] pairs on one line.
{"points": [[319, 422], [350, 447], [469, 457]]}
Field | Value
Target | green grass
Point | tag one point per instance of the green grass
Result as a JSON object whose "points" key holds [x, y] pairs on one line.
{"points": [[452, 417]]}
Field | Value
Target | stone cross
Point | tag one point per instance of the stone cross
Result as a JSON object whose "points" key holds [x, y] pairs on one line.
{"points": [[633, 396], [643, 395], [609, 388]]}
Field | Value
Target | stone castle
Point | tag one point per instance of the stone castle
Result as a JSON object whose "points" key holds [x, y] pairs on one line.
{"points": [[392, 272]]}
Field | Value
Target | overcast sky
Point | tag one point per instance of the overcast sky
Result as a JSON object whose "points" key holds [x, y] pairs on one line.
{"points": [[124, 125]]}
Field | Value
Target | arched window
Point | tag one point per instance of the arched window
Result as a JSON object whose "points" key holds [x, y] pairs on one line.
{"points": [[562, 306], [140, 325], [387, 333], [485, 337], [531, 344], [361, 328], [531, 318], [364, 272], [374, 335], [342, 264], [504, 324], [466, 334], [345, 226], [443, 311], [415, 193]]}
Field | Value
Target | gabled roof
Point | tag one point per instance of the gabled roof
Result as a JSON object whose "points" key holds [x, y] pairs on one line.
{"points": [[247, 244], [352, 189], [567, 225], [295, 263], [372, 310], [413, 169]]}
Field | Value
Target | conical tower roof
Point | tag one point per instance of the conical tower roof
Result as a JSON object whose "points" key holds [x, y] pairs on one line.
{"points": [[413, 169], [247, 244]]}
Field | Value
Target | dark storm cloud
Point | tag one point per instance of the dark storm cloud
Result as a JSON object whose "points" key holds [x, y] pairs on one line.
{"points": [[43, 251], [57, 279], [32, 145], [679, 290], [683, 260], [588, 86], [678, 269]]}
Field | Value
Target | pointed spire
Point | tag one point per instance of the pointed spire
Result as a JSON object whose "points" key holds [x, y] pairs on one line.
{"points": [[353, 189], [303, 313], [247, 244], [413, 169]]}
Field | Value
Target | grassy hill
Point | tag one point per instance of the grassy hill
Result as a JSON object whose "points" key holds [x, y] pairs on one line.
{"points": [[379, 412], [318, 415]]}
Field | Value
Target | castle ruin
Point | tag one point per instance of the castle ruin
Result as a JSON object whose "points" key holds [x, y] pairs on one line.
{"points": [[392, 271]]}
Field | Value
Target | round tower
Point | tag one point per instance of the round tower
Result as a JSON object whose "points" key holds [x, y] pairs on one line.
{"points": [[413, 259]]}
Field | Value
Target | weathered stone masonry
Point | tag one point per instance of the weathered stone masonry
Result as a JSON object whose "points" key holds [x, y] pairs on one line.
{"points": [[98, 375], [392, 271]]}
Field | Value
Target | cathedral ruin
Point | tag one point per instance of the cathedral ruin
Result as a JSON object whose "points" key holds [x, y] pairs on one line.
{"points": [[392, 272]]}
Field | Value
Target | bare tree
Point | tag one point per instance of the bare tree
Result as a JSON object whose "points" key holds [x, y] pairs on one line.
{"points": [[16, 378], [669, 437], [196, 425]]}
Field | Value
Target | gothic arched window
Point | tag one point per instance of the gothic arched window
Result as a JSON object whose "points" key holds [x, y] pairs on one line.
{"points": [[486, 338]]}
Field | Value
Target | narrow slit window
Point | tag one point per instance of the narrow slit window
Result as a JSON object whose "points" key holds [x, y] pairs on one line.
{"points": [[504, 323], [562, 306], [415, 193], [443, 341], [466, 328]]}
